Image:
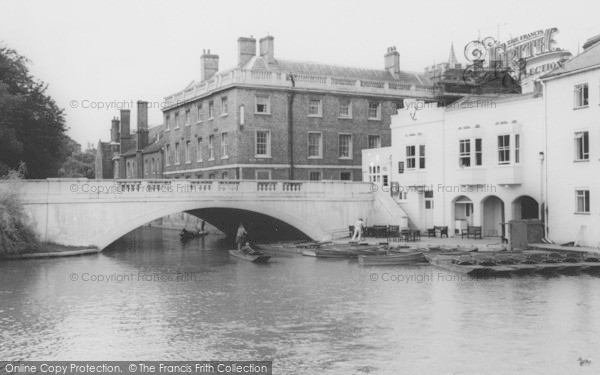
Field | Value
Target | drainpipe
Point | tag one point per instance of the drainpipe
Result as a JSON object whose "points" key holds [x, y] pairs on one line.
{"points": [[545, 166], [291, 126]]}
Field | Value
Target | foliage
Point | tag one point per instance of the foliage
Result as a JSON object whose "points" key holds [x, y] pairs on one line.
{"points": [[32, 127], [16, 232], [79, 163]]}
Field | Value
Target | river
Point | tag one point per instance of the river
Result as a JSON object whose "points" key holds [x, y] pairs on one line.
{"points": [[148, 297]]}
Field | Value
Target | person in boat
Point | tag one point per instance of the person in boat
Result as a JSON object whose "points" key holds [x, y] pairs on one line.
{"points": [[240, 236], [183, 232], [202, 226], [247, 249], [358, 229]]}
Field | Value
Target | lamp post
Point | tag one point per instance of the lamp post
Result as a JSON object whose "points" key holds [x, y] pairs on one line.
{"points": [[541, 205]]}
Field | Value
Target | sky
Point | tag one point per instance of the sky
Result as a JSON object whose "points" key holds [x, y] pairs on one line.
{"points": [[110, 54]]}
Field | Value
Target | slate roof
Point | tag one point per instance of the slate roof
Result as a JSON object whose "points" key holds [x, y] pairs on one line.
{"points": [[586, 59], [331, 70], [153, 145]]}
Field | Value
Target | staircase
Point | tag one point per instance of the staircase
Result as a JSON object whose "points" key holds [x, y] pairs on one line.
{"points": [[387, 211]]}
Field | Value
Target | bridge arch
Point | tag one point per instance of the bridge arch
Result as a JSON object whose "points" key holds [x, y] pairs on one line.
{"points": [[109, 235]]}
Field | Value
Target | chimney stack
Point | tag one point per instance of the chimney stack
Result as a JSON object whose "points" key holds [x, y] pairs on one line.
{"points": [[114, 131], [246, 50], [267, 49], [142, 125], [125, 133], [591, 42], [209, 65], [392, 61]]}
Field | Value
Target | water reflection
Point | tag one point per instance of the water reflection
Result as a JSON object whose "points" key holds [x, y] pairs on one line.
{"points": [[308, 315]]}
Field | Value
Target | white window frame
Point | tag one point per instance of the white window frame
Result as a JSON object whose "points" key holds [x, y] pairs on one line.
{"points": [[582, 145], [320, 146], [167, 122], [478, 152], [319, 107], [374, 136], [350, 148], [422, 157], [188, 152], [199, 149], [224, 106], [211, 110], [267, 154], [176, 119], [369, 117], [199, 112], [464, 153], [411, 157], [517, 148], [177, 157], [503, 149], [584, 195], [341, 105], [188, 117], [168, 152], [581, 95], [211, 147], [320, 175], [225, 145], [267, 105]]}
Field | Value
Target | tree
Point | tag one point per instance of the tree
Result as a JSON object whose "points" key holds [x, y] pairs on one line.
{"points": [[32, 127], [79, 163]]}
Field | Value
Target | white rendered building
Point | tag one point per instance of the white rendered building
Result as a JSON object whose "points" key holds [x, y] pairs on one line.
{"points": [[572, 95], [476, 162]]}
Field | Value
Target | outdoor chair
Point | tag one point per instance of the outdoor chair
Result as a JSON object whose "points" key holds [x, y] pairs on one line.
{"points": [[393, 232], [471, 231]]}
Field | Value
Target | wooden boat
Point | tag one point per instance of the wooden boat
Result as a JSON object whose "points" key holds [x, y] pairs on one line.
{"points": [[392, 259], [309, 253], [329, 252], [256, 257], [279, 247], [462, 264], [189, 234]]}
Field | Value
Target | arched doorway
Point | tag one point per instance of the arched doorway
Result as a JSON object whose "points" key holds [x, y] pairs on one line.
{"points": [[463, 213], [492, 215], [525, 207]]}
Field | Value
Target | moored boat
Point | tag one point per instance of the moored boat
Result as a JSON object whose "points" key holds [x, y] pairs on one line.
{"points": [[189, 234], [392, 259], [256, 257]]}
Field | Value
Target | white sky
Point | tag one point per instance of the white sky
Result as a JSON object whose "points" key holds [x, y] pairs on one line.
{"points": [[115, 51]]}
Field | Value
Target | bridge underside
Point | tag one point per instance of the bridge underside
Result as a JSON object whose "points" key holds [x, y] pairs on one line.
{"points": [[260, 227]]}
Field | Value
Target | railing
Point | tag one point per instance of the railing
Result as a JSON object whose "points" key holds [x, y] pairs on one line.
{"points": [[263, 77]]}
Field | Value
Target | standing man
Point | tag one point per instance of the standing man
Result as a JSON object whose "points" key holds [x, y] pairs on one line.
{"points": [[358, 229], [240, 236]]}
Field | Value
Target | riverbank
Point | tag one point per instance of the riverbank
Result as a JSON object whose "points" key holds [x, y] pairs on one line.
{"points": [[48, 249]]}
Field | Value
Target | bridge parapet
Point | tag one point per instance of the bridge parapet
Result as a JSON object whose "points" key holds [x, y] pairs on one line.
{"points": [[84, 189]]}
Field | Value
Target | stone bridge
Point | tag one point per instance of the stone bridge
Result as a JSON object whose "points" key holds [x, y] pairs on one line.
{"points": [[81, 212]]}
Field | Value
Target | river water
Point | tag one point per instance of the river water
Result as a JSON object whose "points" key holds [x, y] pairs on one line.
{"points": [[148, 297]]}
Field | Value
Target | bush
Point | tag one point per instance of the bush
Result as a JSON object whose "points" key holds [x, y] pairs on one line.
{"points": [[16, 231]]}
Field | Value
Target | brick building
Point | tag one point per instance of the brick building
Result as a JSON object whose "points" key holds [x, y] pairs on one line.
{"points": [[270, 118], [130, 154]]}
